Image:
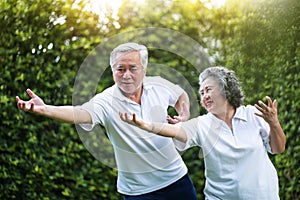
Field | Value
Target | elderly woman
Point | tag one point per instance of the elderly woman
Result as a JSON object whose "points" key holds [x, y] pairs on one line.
{"points": [[235, 139]]}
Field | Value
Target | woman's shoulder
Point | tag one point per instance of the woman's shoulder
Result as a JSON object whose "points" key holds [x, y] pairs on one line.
{"points": [[247, 108]]}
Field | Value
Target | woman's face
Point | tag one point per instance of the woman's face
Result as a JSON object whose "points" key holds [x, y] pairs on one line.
{"points": [[211, 97]]}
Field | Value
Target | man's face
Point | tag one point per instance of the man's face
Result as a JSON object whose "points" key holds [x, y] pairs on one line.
{"points": [[128, 72]]}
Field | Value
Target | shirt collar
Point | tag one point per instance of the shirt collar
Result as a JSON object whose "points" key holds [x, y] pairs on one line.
{"points": [[240, 113], [147, 84], [216, 123], [117, 93]]}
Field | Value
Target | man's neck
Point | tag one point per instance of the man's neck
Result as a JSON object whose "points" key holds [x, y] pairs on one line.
{"points": [[136, 96]]}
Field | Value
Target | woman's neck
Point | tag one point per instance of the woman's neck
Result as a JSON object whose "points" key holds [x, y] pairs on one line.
{"points": [[227, 115]]}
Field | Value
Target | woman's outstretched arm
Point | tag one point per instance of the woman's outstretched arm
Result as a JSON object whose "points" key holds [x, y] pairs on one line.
{"points": [[163, 129]]}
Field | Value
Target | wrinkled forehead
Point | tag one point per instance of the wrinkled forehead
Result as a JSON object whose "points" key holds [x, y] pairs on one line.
{"points": [[208, 82], [128, 56]]}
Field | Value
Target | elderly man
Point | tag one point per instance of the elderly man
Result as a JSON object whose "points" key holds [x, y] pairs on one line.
{"points": [[149, 166]]}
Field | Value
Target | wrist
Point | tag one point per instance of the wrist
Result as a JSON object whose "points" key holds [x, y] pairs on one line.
{"points": [[156, 127]]}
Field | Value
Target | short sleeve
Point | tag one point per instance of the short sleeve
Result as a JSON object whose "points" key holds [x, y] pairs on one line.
{"points": [[190, 128], [265, 134], [172, 89], [97, 108]]}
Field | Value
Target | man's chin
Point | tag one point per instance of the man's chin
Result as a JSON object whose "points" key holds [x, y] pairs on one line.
{"points": [[128, 90]]}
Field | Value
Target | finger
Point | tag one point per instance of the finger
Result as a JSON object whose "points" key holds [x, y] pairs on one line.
{"points": [[25, 106], [18, 102], [177, 119], [30, 93], [258, 108], [172, 121], [262, 104], [21, 105], [275, 103], [269, 100], [134, 118], [126, 117], [258, 114], [31, 107], [129, 117], [122, 116]]}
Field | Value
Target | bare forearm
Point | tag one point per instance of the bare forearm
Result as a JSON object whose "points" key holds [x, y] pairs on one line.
{"points": [[183, 106], [277, 138], [167, 130], [68, 114], [163, 129]]}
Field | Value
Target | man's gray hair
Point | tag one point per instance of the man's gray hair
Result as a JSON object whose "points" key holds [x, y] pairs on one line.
{"points": [[129, 47]]}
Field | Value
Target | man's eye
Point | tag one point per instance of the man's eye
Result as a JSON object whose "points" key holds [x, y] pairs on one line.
{"points": [[120, 70]]}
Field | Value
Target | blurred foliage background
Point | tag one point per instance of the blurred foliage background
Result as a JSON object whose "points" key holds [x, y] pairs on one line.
{"points": [[44, 42]]}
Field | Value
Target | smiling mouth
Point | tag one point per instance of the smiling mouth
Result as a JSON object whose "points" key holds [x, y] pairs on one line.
{"points": [[208, 104]]}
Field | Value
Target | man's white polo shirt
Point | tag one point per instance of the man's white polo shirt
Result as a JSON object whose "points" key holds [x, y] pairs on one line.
{"points": [[146, 162]]}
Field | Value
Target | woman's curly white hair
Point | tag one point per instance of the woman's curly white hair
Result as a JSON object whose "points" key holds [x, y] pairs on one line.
{"points": [[230, 85]]}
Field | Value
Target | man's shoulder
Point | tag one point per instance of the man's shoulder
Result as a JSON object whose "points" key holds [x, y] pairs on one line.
{"points": [[149, 79], [156, 80], [108, 92], [162, 85]]}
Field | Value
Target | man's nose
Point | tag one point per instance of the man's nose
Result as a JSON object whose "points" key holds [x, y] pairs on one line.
{"points": [[127, 74]]}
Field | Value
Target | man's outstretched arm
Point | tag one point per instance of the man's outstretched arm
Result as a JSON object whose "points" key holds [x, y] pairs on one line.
{"points": [[68, 114]]}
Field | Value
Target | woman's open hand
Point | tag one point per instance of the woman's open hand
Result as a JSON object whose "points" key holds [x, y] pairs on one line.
{"points": [[268, 111]]}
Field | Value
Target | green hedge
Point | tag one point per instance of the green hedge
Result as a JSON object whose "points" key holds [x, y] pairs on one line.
{"points": [[44, 42]]}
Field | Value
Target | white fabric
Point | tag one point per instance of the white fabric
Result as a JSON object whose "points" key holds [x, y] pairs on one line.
{"points": [[146, 162], [237, 165]]}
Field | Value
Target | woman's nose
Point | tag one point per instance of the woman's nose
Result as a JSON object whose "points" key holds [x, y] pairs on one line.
{"points": [[205, 96]]}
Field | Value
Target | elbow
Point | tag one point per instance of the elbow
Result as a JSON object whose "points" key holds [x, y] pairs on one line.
{"points": [[279, 150], [282, 149], [181, 136], [278, 145]]}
